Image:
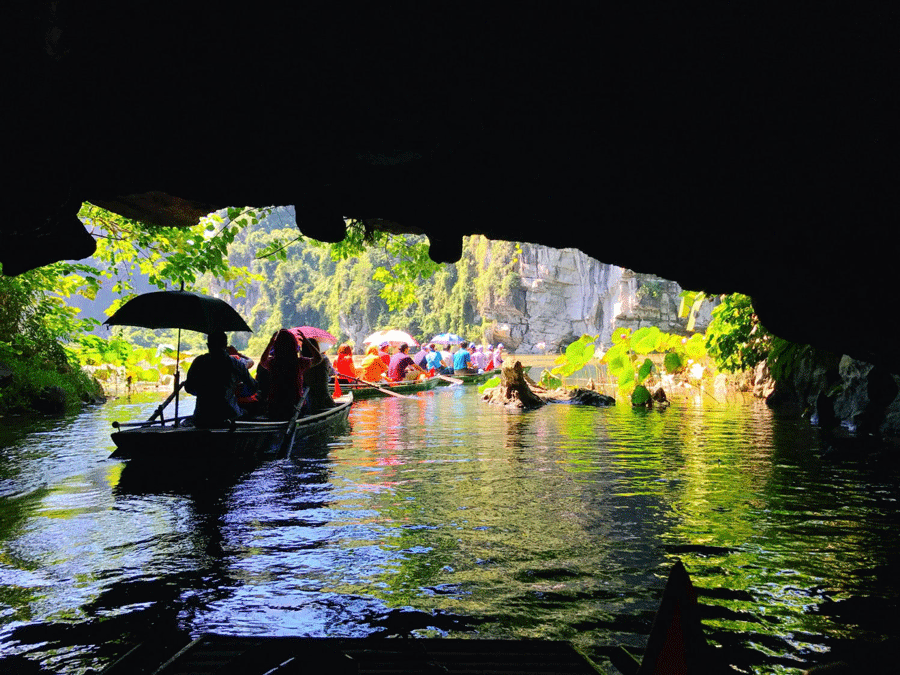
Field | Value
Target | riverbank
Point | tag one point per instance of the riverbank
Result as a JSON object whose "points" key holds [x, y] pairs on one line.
{"points": [[35, 385]]}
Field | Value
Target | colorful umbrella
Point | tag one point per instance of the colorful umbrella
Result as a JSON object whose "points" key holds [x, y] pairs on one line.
{"points": [[323, 337], [447, 339], [393, 337]]}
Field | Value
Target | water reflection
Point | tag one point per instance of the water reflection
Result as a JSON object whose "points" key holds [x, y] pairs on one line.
{"points": [[445, 516]]}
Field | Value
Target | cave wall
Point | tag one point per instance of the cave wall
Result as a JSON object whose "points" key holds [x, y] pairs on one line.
{"points": [[753, 147]]}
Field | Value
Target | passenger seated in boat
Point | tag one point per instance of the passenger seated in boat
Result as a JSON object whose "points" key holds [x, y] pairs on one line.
{"points": [[343, 365], [402, 367], [247, 398], [384, 351], [215, 379], [462, 361], [317, 378], [434, 361], [285, 369], [373, 367]]}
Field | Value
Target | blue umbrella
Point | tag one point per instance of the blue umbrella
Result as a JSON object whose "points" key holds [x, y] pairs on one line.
{"points": [[447, 339]]}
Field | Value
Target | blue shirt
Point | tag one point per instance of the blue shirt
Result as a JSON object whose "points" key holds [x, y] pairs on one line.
{"points": [[461, 359], [432, 360]]}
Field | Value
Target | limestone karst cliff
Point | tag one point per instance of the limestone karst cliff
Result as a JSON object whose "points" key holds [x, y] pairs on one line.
{"points": [[564, 293]]}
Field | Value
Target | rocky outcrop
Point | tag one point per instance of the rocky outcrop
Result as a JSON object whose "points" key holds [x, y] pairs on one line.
{"points": [[838, 392], [566, 294]]}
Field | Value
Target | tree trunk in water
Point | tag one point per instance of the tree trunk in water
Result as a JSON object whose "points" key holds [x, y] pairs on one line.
{"points": [[514, 390]]}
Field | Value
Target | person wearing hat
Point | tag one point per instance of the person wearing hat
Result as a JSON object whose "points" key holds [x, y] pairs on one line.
{"points": [[384, 353], [215, 379], [498, 356]]}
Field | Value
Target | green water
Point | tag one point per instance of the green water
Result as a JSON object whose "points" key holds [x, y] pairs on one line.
{"points": [[448, 517]]}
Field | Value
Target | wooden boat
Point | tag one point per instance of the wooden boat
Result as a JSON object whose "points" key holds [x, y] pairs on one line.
{"points": [[243, 440], [361, 390], [475, 378]]}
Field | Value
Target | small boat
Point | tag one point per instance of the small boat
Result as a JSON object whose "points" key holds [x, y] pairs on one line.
{"points": [[474, 378], [362, 390], [243, 440]]}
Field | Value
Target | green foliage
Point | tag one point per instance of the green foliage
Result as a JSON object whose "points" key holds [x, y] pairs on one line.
{"points": [[490, 384], [624, 363], [735, 338], [577, 355], [169, 256]]}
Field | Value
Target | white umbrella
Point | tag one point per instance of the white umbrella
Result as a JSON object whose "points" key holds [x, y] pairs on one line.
{"points": [[393, 337]]}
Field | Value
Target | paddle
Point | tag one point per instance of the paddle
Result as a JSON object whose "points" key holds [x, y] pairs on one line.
{"points": [[162, 405], [287, 442], [452, 380], [375, 386]]}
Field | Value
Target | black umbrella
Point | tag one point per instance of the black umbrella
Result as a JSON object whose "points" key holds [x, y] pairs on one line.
{"points": [[178, 309]]}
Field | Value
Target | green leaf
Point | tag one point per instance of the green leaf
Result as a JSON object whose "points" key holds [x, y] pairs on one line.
{"points": [[626, 386], [673, 362], [640, 395], [646, 340], [617, 358], [645, 370], [493, 382], [695, 348]]}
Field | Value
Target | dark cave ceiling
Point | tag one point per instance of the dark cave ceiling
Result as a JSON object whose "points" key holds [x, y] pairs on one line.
{"points": [[730, 149]]}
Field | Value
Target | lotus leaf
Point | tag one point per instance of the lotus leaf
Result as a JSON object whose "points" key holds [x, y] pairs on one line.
{"points": [[640, 395]]}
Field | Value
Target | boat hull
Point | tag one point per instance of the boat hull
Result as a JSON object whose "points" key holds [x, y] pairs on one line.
{"points": [[363, 391], [243, 441], [475, 378]]}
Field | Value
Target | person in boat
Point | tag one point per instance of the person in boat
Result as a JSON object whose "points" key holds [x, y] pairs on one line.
{"points": [[462, 361], [498, 356], [343, 364], [384, 353], [419, 358], [433, 360], [402, 367], [479, 360], [285, 370], [317, 377], [247, 398], [373, 367], [447, 358], [215, 379]]}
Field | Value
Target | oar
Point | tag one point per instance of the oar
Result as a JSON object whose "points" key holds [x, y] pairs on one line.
{"points": [[451, 380], [375, 386], [287, 443], [162, 405]]}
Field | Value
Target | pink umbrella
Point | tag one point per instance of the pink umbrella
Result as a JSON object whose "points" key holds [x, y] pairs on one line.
{"points": [[323, 337], [393, 337]]}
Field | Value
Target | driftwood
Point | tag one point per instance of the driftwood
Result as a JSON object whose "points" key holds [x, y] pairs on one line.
{"points": [[514, 389], [517, 390]]}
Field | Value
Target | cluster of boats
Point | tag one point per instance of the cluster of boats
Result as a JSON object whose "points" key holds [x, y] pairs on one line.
{"points": [[162, 440], [159, 440]]}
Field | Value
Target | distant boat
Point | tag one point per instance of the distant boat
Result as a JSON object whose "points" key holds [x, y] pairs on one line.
{"points": [[361, 390], [474, 378]]}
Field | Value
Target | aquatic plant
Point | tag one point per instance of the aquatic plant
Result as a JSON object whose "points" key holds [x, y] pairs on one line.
{"points": [[624, 360]]}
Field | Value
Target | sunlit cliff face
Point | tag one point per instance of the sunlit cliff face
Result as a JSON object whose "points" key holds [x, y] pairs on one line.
{"points": [[725, 151]]}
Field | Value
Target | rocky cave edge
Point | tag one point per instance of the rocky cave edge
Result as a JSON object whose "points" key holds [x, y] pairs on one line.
{"points": [[730, 149]]}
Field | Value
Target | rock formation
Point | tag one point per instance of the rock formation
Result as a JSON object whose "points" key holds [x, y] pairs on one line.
{"points": [[566, 293]]}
